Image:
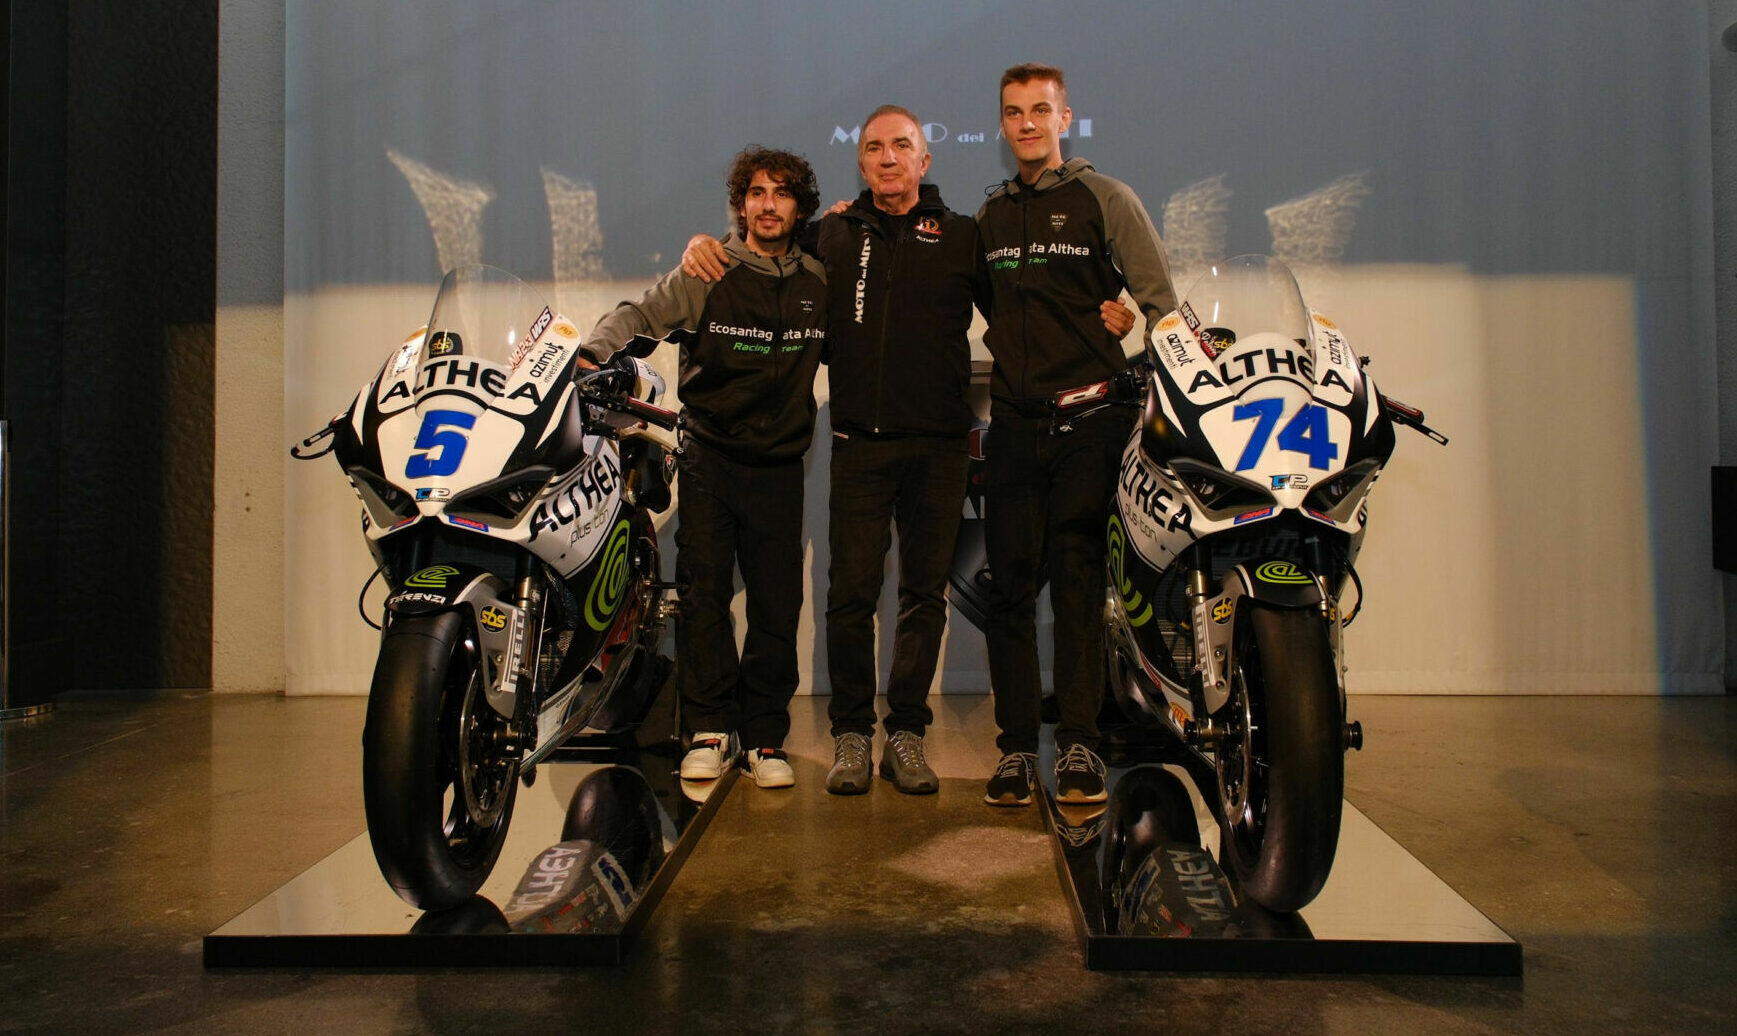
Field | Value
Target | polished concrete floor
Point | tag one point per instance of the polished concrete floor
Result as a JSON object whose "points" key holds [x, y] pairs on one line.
{"points": [[1599, 832]]}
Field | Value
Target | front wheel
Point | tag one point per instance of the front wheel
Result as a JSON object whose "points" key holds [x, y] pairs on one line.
{"points": [[439, 765], [1281, 767]]}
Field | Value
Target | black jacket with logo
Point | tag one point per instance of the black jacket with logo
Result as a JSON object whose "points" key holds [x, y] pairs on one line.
{"points": [[900, 295], [1056, 250], [750, 345]]}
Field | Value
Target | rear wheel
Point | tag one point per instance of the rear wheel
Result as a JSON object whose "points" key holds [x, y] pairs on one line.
{"points": [[439, 765], [1281, 767]]}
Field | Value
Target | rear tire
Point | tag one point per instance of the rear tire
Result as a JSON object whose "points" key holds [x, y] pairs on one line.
{"points": [[439, 765], [1281, 776]]}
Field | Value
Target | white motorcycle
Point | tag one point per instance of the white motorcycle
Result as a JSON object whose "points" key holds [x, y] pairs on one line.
{"points": [[507, 494], [1241, 507]]}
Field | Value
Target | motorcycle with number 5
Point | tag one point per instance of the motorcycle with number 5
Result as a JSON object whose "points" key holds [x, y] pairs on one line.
{"points": [[1241, 507], [507, 490]]}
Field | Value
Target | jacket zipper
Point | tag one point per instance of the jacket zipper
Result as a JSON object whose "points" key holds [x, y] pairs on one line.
{"points": [[894, 246]]}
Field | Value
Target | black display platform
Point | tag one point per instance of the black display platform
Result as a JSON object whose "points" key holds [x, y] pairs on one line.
{"points": [[642, 822], [1381, 911]]}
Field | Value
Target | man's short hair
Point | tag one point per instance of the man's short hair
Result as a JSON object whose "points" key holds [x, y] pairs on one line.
{"points": [[896, 109], [784, 168], [1032, 70]]}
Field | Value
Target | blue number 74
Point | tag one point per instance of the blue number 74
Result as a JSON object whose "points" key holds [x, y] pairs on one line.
{"points": [[1306, 433]]}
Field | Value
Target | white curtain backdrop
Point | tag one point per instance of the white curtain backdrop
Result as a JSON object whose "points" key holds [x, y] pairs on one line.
{"points": [[1505, 206]]}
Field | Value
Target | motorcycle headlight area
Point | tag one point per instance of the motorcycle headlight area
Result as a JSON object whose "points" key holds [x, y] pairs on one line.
{"points": [[1216, 493], [502, 501], [1339, 496], [386, 503]]}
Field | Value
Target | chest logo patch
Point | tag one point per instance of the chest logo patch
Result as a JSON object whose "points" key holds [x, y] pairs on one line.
{"points": [[928, 227], [1057, 220]]}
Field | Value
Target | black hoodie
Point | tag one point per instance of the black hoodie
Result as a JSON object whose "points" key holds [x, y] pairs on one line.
{"points": [[899, 294]]}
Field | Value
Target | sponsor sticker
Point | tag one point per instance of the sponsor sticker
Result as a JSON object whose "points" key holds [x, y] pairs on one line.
{"points": [[1178, 715], [1282, 573], [493, 619], [1188, 316], [609, 588], [466, 523], [1170, 322], [1290, 481], [433, 577], [445, 343], [1324, 322], [1222, 611], [1252, 516], [566, 330]]}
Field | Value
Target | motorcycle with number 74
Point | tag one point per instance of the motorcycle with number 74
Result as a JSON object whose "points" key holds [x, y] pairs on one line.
{"points": [[1241, 508]]}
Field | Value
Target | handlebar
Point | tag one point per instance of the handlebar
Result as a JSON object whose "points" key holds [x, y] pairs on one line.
{"points": [[1409, 416], [608, 389], [1127, 388]]}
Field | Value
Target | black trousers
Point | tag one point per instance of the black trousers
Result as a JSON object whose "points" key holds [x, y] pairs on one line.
{"points": [[1049, 499], [733, 514], [918, 486]]}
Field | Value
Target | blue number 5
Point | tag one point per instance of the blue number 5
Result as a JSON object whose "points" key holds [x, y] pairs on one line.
{"points": [[441, 443]]}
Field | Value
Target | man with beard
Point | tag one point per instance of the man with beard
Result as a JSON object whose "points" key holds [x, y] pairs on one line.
{"points": [[750, 345]]}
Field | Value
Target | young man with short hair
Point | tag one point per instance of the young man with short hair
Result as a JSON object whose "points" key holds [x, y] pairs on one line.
{"points": [[1059, 238]]}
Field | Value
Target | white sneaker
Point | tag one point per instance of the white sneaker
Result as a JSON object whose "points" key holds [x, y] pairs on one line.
{"points": [[771, 768], [708, 754]]}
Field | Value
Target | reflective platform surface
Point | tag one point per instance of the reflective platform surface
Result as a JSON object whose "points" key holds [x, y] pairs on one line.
{"points": [[1147, 893], [593, 845]]}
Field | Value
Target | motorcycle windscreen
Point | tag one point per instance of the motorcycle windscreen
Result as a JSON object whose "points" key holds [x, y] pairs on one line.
{"points": [[489, 387], [1246, 295], [484, 312]]}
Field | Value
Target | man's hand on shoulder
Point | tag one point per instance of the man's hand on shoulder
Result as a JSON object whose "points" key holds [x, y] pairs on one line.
{"points": [[705, 258], [838, 208]]}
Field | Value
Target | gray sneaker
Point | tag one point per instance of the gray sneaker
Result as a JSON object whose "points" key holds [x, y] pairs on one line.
{"points": [[902, 763], [850, 765]]}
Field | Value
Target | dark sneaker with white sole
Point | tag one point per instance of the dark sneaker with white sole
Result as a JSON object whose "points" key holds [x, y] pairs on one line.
{"points": [[1079, 776], [1011, 783], [851, 772], [902, 763]]}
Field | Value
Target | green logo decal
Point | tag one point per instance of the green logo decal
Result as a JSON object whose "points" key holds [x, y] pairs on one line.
{"points": [[433, 577], [1282, 572], [1133, 602], [604, 598]]}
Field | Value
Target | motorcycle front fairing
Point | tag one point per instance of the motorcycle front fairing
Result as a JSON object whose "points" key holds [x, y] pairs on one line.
{"points": [[1260, 440], [469, 449]]}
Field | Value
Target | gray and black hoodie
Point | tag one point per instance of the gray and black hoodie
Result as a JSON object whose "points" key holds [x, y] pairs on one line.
{"points": [[750, 344], [1056, 249]]}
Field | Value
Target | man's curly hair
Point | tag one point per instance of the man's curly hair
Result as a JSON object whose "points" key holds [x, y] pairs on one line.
{"points": [[787, 169]]}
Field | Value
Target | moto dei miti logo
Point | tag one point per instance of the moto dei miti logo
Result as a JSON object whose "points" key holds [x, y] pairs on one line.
{"points": [[939, 133]]}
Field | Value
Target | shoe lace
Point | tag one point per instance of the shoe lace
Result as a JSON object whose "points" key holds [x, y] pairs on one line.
{"points": [[1076, 759], [1015, 764], [909, 748], [852, 751]]}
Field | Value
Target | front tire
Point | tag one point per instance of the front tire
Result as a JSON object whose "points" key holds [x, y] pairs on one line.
{"points": [[1281, 770], [439, 765]]}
